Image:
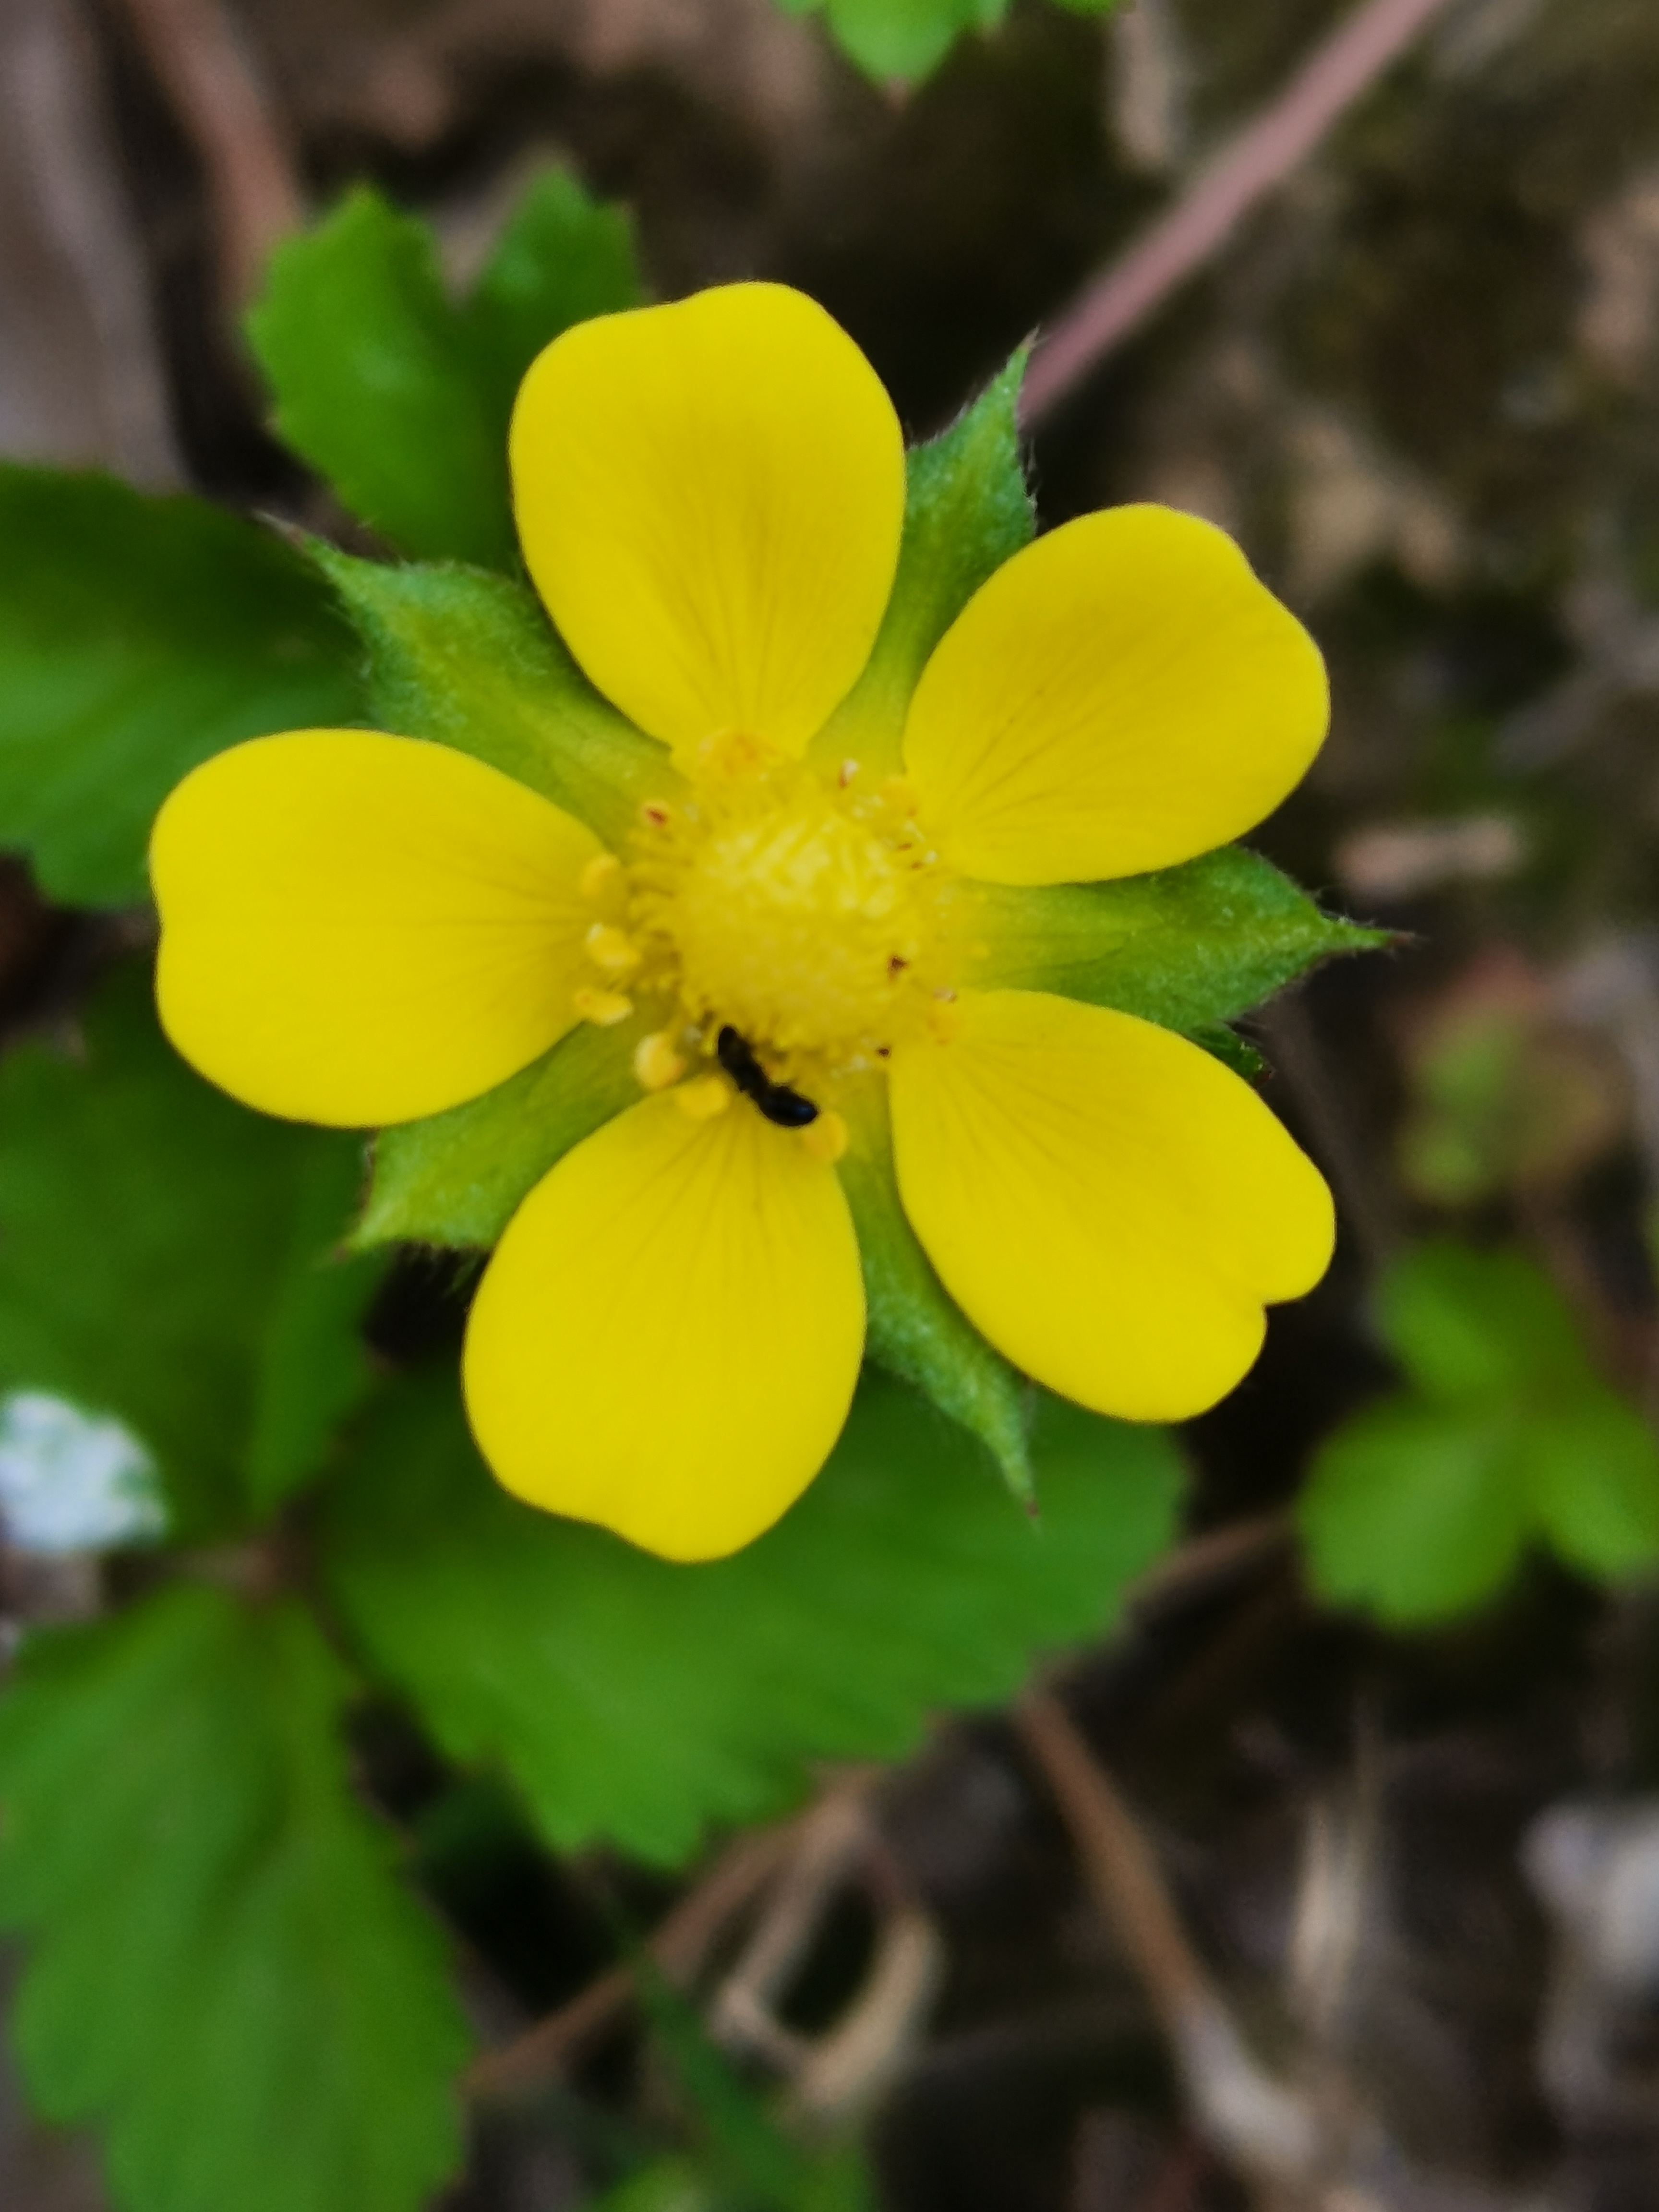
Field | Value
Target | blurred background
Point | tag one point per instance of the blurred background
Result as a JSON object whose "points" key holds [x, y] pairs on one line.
{"points": [[1417, 1875]]}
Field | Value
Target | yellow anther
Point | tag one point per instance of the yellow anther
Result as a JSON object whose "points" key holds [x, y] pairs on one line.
{"points": [[605, 1009], [704, 1097], [597, 878], [611, 949], [826, 1138], [656, 1062]]}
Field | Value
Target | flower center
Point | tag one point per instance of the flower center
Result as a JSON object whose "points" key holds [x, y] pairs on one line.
{"points": [[784, 927]]}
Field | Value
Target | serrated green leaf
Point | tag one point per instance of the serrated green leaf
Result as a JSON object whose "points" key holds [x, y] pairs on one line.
{"points": [[138, 636], [1185, 947], [1592, 1472], [916, 1329], [459, 1178], [164, 1256], [224, 1976], [638, 1701], [1414, 1512], [1469, 1326], [967, 509], [399, 397], [470, 661], [560, 259]]}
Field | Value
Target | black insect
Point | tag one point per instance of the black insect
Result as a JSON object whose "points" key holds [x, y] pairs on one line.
{"points": [[775, 1100]]}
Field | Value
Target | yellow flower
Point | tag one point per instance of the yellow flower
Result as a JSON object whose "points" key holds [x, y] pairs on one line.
{"points": [[362, 929]]}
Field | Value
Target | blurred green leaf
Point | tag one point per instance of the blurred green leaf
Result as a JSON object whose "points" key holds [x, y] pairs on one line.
{"points": [[138, 636], [1420, 1506], [1415, 1512], [224, 1974], [967, 509], [400, 397], [470, 661], [908, 38], [1186, 947], [166, 1256], [638, 1701]]}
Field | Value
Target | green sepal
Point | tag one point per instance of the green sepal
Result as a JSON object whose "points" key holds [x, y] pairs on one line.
{"points": [[401, 398], [1229, 1048], [223, 1972], [637, 1702], [470, 660], [138, 636], [967, 509], [1186, 947], [1421, 1505], [459, 1178], [916, 1329]]}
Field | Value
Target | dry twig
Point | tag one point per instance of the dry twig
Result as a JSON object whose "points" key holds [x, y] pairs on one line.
{"points": [[211, 80], [1239, 175]]}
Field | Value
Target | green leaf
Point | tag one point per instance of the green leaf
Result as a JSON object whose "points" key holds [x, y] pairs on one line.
{"points": [[1593, 1473], [916, 1329], [1414, 1512], [637, 1702], [1420, 1506], [1469, 1326], [470, 661], [905, 38], [400, 397], [225, 1975], [967, 509], [138, 636], [459, 1178], [560, 259], [165, 1256], [1186, 947]]}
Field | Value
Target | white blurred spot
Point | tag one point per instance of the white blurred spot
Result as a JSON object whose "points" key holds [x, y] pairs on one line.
{"points": [[70, 1480]]}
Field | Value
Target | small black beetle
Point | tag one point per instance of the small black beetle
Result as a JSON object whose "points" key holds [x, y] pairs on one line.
{"points": [[775, 1100]]}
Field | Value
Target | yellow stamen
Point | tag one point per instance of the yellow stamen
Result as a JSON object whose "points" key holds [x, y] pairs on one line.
{"points": [[597, 878], [603, 1008], [656, 1062], [611, 949], [826, 1138], [704, 1097]]}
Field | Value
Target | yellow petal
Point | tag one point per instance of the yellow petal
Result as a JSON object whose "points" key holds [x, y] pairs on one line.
{"points": [[1122, 695], [1108, 1204], [709, 496], [668, 1335], [359, 929]]}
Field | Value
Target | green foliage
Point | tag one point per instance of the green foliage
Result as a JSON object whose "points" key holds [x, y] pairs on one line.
{"points": [[908, 38], [470, 661], [166, 1256], [967, 510], [399, 397], [1420, 1507], [916, 1329], [224, 1971], [1186, 947], [745, 2162], [637, 1702], [138, 636]]}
